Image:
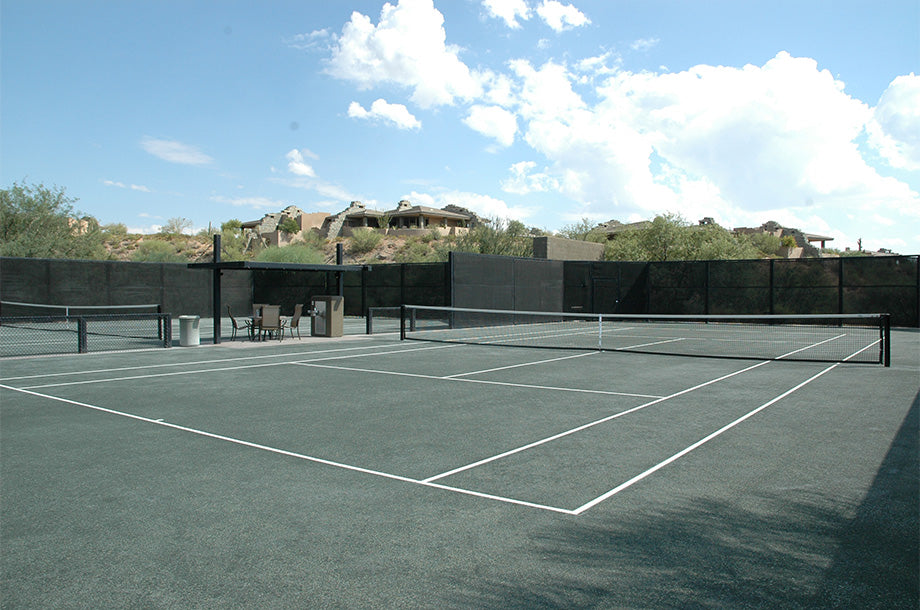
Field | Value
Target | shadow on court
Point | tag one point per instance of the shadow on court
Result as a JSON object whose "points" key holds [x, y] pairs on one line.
{"points": [[708, 554]]}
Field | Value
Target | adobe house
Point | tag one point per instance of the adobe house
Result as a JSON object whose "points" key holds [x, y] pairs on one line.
{"points": [[266, 229], [406, 219]]}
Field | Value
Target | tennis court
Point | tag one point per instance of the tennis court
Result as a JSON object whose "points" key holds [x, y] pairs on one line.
{"points": [[366, 471]]}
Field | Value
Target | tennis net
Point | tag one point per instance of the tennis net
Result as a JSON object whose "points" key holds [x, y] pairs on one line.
{"points": [[72, 332], [861, 338]]}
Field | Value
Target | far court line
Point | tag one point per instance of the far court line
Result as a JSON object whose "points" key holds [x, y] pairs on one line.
{"points": [[190, 363], [480, 381], [226, 368]]}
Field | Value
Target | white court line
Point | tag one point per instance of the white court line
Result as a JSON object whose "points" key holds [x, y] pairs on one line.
{"points": [[629, 347], [284, 452], [481, 381], [187, 364], [588, 425], [514, 366], [614, 416], [695, 445], [226, 368]]}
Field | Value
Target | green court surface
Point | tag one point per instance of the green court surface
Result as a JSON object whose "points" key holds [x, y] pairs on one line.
{"points": [[365, 472]]}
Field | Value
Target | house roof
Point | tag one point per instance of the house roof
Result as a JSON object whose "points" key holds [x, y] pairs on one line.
{"points": [[419, 210]]}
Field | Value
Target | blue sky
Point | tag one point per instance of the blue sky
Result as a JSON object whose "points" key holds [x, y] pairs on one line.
{"points": [[545, 111]]}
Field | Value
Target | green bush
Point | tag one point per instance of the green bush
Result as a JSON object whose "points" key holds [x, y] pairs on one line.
{"points": [[363, 241], [157, 251], [291, 254]]}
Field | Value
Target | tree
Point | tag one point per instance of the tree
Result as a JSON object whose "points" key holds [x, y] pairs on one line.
{"points": [[176, 226], [584, 230], [669, 237], [289, 226], [41, 222]]}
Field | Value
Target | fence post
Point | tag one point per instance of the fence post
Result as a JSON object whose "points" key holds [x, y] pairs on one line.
{"points": [[840, 285], [216, 289], [772, 287], [82, 346]]}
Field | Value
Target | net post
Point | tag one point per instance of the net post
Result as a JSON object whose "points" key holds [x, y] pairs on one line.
{"points": [[369, 321], [82, 347], [886, 339], [402, 322], [166, 320], [600, 332]]}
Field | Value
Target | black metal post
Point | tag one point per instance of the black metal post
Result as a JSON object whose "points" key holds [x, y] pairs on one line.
{"points": [[772, 288], [82, 336], [840, 279], [340, 260], [216, 290]]}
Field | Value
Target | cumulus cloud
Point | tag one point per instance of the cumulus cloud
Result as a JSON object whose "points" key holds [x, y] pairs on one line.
{"points": [[494, 122], [175, 152], [523, 180], [297, 165], [485, 206], [895, 126], [394, 114], [561, 17], [407, 47], [508, 11], [754, 138]]}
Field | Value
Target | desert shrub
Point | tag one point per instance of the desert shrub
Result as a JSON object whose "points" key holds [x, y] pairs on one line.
{"points": [[291, 254], [363, 241]]}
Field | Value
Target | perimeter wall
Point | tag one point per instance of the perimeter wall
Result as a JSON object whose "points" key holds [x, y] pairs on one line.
{"points": [[178, 289], [888, 284]]}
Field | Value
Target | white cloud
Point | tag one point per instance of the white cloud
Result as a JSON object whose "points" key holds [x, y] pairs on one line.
{"points": [[561, 17], [733, 143], [395, 114], [508, 11], [122, 185], [297, 166], [523, 180], [644, 44], [494, 122], [485, 206], [407, 47], [317, 39], [895, 126], [175, 152], [257, 203]]}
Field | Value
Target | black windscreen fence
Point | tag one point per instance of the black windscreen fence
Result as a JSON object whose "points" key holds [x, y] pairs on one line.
{"points": [[485, 281], [388, 285], [844, 285]]}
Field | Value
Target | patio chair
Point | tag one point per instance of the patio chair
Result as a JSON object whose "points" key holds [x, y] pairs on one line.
{"points": [[295, 320], [271, 321], [247, 325]]}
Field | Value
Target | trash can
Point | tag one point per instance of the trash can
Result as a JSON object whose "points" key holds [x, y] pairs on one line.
{"points": [[328, 319], [188, 331]]}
